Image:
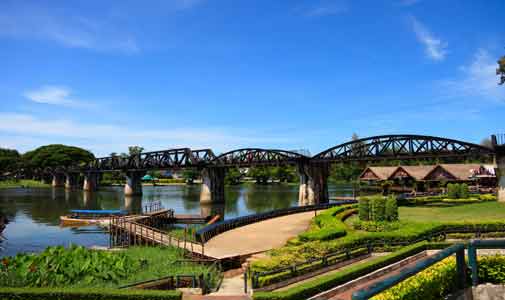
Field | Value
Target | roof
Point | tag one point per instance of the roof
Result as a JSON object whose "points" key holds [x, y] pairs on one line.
{"points": [[382, 173], [461, 171], [416, 172], [422, 172]]}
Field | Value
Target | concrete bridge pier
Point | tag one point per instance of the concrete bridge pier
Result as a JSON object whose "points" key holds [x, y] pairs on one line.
{"points": [[90, 182], [212, 185], [57, 180], [71, 180], [313, 183], [133, 184]]}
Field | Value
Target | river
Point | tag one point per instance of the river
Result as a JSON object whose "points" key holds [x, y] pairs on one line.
{"points": [[33, 213]]}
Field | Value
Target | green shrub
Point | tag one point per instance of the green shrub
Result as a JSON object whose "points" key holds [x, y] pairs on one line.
{"points": [[85, 294], [323, 283], [432, 283], [378, 204], [463, 190], [364, 209], [391, 209], [487, 197], [453, 191], [372, 226], [491, 269], [327, 225]]}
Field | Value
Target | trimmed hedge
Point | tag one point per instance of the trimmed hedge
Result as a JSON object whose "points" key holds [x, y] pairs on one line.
{"points": [[326, 226], [329, 281], [86, 294], [474, 198], [432, 283], [391, 209], [364, 209]]}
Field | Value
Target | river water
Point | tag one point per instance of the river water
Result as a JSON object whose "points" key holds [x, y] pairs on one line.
{"points": [[33, 214]]}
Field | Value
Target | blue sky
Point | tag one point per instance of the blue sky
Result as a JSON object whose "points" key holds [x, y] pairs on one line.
{"points": [[227, 74]]}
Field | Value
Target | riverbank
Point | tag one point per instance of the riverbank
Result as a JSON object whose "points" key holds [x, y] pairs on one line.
{"points": [[23, 183]]}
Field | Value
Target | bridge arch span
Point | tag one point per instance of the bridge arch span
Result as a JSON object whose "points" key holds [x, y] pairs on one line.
{"points": [[401, 146], [257, 156]]}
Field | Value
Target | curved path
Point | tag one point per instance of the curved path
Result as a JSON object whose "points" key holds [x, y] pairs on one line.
{"points": [[258, 237]]}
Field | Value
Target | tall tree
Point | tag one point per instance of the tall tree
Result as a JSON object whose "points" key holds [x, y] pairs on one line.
{"points": [[135, 150], [57, 155], [9, 159]]}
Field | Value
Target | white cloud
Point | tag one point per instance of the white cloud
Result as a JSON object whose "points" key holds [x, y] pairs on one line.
{"points": [[435, 48], [477, 79], [54, 95], [106, 138], [24, 21], [327, 8]]}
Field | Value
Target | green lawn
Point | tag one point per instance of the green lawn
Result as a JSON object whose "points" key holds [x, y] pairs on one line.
{"points": [[487, 211], [6, 184]]}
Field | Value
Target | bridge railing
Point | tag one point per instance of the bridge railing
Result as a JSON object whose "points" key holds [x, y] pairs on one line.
{"points": [[461, 266], [208, 232]]}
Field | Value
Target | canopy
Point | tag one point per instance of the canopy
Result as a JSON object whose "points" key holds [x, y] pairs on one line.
{"points": [[147, 177]]}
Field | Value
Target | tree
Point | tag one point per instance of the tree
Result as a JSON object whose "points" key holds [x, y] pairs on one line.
{"points": [[487, 142], [260, 173], [232, 176], [135, 150], [190, 175], [501, 70], [284, 173], [9, 160], [57, 155]]}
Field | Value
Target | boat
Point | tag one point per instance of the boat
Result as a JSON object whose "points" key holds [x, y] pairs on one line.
{"points": [[85, 217]]}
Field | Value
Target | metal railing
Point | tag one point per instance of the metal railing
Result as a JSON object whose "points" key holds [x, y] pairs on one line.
{"points": [[126, 233], [152, 207], [212, 230], [461, 266], [435, 234]]}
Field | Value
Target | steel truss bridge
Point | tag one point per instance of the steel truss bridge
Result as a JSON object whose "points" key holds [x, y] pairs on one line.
{"points": [[375, 148]]}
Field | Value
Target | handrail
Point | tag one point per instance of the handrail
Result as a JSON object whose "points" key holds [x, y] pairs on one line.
{"points": [[458, 249], [370, 245], [208, 232]]}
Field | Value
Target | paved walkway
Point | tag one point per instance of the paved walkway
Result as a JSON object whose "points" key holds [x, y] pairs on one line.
{"points": [[258, 237]]}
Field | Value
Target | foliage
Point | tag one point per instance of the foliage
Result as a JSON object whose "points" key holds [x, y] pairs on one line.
{"points": [[364, 208], [416, 223], [23, 183], [345, 172], [491, 269], [391, 209], [190, 175], [419, 201], [77, 266], [85, 294], [56, 155], [233, 176], [323, 283], [9, 159], [135, 150], [170, 180], [457, 191], [432, 283], [386, 187], [284, 173], [261, 174], [57, 266], [378, 208], [373, 226], [327, 225]]}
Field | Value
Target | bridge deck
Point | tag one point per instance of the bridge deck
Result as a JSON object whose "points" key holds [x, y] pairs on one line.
{"points": [[258, 237]]}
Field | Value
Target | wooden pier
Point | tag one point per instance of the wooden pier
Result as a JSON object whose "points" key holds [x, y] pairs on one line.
{"points": [[126, 232]]}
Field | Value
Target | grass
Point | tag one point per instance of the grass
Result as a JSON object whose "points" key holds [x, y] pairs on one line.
{"points": [[23, 183], [487, 211]]}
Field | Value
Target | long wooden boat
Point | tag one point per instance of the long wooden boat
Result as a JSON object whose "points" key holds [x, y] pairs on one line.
{"points": [[81, 217]]}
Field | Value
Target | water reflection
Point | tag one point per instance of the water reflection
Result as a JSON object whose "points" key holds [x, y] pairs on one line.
{"points": [[33, 214]]}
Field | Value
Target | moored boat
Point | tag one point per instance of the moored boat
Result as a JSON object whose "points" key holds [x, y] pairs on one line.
{"points": [[84, 217]]}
